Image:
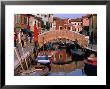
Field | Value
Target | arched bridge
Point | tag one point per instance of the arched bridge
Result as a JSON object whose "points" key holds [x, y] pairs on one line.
{"points": [[55, 34]]}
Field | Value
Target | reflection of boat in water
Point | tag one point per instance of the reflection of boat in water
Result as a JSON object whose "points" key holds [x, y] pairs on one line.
{"points": [[91, 66], [38, 70], [77, 55]]}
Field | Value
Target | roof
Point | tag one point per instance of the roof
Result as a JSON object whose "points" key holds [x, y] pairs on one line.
{"points": [[86, 16], [56, 18], [75, 20]]}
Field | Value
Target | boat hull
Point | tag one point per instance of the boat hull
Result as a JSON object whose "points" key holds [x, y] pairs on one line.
{"points": [[90, 70]]}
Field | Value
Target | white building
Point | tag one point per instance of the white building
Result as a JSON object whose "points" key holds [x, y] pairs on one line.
{"points": [[77, 24]]}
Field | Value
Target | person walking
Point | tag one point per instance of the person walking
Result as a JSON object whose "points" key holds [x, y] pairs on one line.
{"points": [[15, 39], [30, 37], [19, 36], [22, 38]]}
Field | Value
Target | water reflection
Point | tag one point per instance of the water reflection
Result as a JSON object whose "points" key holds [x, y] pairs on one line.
{"points": [[76, 72]]}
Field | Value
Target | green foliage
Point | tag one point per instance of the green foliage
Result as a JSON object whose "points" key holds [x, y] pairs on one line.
{"points": [[36, 17], [47, 25], [42, 24]]}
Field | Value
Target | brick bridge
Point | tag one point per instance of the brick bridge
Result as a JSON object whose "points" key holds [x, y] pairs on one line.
{"points": [[55, 34]]}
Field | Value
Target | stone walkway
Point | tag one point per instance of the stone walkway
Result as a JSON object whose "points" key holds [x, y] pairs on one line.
{"points": [[22, 55], [92, 47]]}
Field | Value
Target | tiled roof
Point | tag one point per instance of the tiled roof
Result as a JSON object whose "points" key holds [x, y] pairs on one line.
{"points": [[76, 20]]}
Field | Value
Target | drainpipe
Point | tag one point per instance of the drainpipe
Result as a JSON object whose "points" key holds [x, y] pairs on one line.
{"points": [[28, 22]]}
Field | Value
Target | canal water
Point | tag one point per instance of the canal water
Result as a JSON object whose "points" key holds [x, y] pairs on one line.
{"points": [[77, 72], [69, 69], [63, 63]]}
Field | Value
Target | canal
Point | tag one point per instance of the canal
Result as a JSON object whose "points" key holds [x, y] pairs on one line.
{"points": [[63, 61]]}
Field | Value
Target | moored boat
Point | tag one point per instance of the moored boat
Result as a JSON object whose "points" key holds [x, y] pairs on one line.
{"points": [[91, 66]]}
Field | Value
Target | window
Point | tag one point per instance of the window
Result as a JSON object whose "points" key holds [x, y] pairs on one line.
{"points": [[25, 20], [61, 28], [65, 27], [78, 23], [68, 28], [18, 18]]}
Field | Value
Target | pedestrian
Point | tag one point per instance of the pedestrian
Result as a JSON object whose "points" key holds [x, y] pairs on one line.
{"points": [[26, 37], [22, 38], [30, 36], [19, 36], [15, 39]]}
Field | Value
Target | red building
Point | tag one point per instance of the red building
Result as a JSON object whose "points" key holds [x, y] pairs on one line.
{"points": [[68, 24], [21, 21], [59, 23]]}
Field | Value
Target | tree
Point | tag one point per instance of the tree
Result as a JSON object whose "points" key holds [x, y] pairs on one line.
{"points": [[42, 24], [36, 17], [47, 25]]}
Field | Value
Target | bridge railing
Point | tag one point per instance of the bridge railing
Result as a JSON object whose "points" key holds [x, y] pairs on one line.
{"points": [[55, 34]]}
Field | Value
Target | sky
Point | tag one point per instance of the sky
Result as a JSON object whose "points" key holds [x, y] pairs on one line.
{"points": [[69, 15]]}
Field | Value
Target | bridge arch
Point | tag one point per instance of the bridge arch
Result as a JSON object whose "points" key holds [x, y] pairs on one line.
{"points": [[55, 34]]}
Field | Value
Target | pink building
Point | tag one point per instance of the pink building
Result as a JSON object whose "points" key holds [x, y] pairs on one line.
{"points": [[86, 24]]}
